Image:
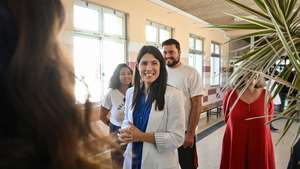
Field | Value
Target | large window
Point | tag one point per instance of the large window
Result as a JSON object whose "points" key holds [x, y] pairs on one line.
{"points": [[157, 33], [215, 64], [195, 56], [99, 44]]}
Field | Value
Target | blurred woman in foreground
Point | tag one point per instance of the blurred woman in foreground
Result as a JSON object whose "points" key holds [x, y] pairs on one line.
{"points": [[40, 125]]}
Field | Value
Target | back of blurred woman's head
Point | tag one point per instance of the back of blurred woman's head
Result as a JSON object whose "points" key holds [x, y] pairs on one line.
{"points": [[40, 125]]}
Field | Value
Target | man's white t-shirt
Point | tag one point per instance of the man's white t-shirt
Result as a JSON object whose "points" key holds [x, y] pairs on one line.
{"points": [[188, 80], [114, 101]]}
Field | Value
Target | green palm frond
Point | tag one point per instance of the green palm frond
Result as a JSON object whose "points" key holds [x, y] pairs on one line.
{"points": [[291, 49], [290, 6], [261, 5], [292, 16], [240, 26], [276, 25], [256, 21], [249, 10], [258, 33]]}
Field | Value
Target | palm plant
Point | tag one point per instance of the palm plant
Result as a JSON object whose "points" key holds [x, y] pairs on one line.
{"points": [[276, 27]]}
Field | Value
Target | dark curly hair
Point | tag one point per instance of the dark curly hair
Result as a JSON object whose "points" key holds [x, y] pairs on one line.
{"points": [[114, 82]]}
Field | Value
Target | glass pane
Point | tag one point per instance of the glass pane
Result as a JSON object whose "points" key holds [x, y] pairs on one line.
{"points": [[217, 49], [113, 24], [164, 35], [212, 48], [216, 62], [86, 52], [113, 54], [212, 75], [198, 63], [199, 44], [191, 59], [151, 33], [80, 18], [191, 43], [215, 70]]}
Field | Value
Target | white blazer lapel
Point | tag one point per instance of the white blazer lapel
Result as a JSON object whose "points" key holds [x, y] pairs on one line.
{"points": [[154, 122], [155, 119]]}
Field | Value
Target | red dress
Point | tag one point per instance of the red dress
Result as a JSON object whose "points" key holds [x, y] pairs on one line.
{"points": [[247, 144]]}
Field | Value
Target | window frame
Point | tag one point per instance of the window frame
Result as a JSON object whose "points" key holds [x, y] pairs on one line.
{"points": [[101, 35], [214, 54], [158, 27], [197, 52]]}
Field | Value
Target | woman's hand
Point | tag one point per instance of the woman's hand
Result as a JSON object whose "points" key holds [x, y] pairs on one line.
{"points": [[130, 134]]}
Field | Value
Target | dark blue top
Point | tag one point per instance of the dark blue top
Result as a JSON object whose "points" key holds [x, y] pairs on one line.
{"points": [[140, 120]]}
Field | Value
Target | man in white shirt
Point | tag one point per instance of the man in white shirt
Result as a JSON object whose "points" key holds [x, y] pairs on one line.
{"points": [[188, 80]]}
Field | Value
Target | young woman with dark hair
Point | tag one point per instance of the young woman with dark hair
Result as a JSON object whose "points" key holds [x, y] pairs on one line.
{"points": [[40, 125], [154, 116], [121, 74], [113, 103]]}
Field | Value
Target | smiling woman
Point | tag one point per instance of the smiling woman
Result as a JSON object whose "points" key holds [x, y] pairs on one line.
{"points": [[149, 69], [153, 126]]}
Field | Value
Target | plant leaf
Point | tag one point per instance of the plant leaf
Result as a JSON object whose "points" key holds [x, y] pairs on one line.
{"points": [[239, 26], [289, 48], [247, 9], [255, 34], [256, 21]]}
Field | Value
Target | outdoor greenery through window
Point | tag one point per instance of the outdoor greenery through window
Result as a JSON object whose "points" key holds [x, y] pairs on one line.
{"points": [[157, 33], [99, 44], [215, 64], [195, 56]]}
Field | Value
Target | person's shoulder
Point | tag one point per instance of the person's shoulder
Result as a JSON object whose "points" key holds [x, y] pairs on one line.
{"points": [[113, 90], [188, 67], [229, 92], [265, 92], [172, 91], [130, 90], [171, 88], [110, 91]]}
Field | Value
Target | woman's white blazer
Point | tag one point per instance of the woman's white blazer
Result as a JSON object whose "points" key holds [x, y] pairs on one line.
{"points": [[168, 126]]}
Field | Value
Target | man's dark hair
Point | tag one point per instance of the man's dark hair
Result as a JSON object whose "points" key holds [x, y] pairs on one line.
{"points": [[171, 42]]}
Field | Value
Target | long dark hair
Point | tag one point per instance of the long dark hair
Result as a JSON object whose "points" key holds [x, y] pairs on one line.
{"points": [[158, 87], [40, 125], [115, 82]]}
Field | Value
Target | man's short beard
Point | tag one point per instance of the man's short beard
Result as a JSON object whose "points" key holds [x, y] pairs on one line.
{"points": [[172, 64]]}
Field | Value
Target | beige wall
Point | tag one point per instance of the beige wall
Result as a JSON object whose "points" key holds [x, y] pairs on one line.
{"points": [[141, 10]]}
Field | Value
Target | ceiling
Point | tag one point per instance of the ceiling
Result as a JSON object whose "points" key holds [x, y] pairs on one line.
{"points": [[211, 11]]}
